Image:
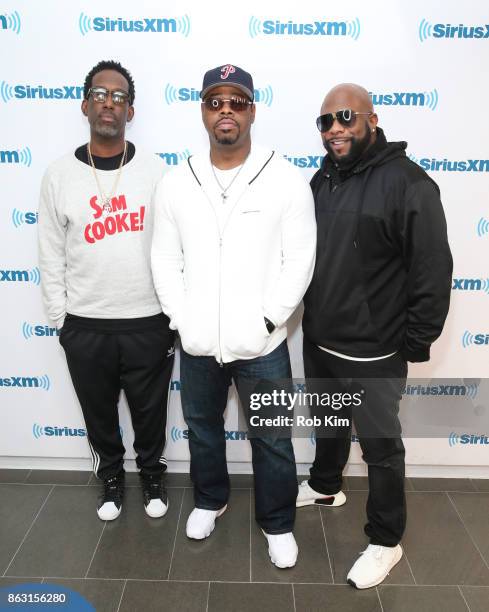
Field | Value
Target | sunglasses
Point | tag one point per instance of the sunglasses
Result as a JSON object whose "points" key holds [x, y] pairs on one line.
{"points": [[346, 117], [237, 105], [100, 94]]}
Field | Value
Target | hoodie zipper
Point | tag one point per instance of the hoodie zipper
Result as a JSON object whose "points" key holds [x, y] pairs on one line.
{"points": [[219, 307]]}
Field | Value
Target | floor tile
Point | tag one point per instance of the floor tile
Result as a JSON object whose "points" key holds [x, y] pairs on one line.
{"points": [[13, 581], [474, 511], [438, 546], [312, 563], [421, 599], [225, 555], [480, 484], [337, 598], [477, 598], [177, 480], [18, 508], [346, 539], [54, 477], [442, 484], [355, 483], [64, 536], [227, 597], [13, 476], [163, 596], [135, 545], [242, 481], [102, 594]]}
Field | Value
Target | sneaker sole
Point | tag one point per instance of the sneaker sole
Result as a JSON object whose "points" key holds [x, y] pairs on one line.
{"points": [[208, 533], [331, 501], [280, 566], [395, 561]]}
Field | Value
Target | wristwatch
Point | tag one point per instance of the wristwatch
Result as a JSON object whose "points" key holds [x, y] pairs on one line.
{"points": [[270, 326]]}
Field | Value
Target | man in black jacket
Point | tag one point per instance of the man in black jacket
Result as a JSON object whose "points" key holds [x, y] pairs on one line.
{"points": [[378, 299]]}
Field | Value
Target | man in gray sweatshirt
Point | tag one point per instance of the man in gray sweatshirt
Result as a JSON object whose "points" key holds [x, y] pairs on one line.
{"points": [[95, 225]]}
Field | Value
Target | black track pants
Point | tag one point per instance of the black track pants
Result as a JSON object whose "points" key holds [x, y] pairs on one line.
{"points": [[103, 362]]}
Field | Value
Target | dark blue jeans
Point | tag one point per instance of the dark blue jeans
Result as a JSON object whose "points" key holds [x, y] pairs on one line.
{"points": [[205, 386]]}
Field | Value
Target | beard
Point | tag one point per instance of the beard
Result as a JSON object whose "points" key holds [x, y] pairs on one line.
{"points": [[105, 130], [357, 148], [229, 138]]}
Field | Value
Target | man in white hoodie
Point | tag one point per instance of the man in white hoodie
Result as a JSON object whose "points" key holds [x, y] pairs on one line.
{"points": [[233, 253]]}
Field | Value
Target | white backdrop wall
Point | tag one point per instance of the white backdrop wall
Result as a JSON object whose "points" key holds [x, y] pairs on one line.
{"points": [[425, 64]]}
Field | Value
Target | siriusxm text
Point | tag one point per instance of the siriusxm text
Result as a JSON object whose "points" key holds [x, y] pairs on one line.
{"points": [[316, 28]]}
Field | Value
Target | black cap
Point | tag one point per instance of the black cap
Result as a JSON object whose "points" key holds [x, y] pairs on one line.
{"points": [[228, 75]]}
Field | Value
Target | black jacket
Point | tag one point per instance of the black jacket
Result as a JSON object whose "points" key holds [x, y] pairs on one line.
{"points": [[382, 279]]}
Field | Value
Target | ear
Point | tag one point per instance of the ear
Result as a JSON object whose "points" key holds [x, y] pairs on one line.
{"points": [[253, 112], [130, 113], [84, 107], [372, 121]]}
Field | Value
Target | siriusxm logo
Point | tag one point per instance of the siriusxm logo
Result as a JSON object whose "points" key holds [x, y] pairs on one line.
{"points": [[40, 331], [52, 430], [447, 390], [182, 434], [173, 159], [10, 22], [447, 30], [308, 161], [471, 284], [27, 382], [312, 438], [454, 439], [446, 165], [173, 25], [39, 92], [428, 99], [469, 339], [17, 156], [348, 27], [173, 94], [21, 276], [19, 218], [482, 227]]}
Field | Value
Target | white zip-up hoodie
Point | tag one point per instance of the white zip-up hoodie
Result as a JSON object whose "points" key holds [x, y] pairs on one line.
{"points": [[218, 283]]}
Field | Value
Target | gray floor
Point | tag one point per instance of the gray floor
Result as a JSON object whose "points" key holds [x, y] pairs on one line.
{"points": [[49, 532]]}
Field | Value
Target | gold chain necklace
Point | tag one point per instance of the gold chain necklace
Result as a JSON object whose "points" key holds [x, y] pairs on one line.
{"points": [[106, 200]]}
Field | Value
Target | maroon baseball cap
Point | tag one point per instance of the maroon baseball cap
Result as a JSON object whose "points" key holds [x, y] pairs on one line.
{"points": [[228, 75]]}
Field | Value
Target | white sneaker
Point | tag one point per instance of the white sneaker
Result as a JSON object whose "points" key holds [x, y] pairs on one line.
{"points": [[201, 523], [374, 565], [282, 549], [307, 496]]}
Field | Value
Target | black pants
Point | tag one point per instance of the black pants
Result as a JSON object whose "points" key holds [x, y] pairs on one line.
{"points": [[379, 431], [105, 356]]}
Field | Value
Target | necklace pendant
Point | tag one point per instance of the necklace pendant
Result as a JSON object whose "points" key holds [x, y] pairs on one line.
{"points": [[224, 197]]}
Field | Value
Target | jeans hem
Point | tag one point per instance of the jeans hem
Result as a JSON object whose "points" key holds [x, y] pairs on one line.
{"points": [[213, 509], [276, 531]]}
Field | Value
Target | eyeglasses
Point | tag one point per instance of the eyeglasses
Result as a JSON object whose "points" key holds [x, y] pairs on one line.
{"points": [[100, 94], [237, 105], [346, 117]]}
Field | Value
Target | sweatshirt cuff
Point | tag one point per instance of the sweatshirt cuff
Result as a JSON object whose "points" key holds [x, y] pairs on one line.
{"points": [[60, 322], [416, 355]]}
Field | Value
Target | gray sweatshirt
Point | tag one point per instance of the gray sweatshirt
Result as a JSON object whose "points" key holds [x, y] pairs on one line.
{"points": [[95, 260]]}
